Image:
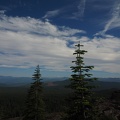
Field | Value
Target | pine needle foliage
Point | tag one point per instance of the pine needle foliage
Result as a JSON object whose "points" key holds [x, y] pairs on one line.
{"points": [[35, 107], [81, 106]]}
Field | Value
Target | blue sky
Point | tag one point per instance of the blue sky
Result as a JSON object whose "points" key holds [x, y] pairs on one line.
{"points": [[44, 32]]}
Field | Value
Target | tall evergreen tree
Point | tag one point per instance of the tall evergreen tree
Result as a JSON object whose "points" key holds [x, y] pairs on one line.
{"points": [[81, 102], [35, 109]]}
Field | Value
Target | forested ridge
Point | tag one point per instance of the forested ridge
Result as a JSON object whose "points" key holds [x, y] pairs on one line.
{"points": [[13, 99]]}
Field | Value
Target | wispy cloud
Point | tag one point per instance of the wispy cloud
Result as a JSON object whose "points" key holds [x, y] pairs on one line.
{"points": [[114, 21], [36, 26], [53, 13], [115, 18], [80, 10], [72, 11], [2, 11]]}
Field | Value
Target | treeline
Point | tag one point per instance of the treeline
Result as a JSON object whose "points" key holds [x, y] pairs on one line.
{"points": [[12, 101]]}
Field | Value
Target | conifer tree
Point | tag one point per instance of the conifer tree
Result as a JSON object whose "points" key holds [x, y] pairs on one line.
{"points": [[81, 102], [35, 109]]}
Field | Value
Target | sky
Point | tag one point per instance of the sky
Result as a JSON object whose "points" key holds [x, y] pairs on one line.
{"points": [[45, 32]]}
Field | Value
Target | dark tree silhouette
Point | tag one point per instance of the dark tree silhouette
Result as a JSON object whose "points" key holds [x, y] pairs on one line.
{"points": [[81, 102], [35, 109]]}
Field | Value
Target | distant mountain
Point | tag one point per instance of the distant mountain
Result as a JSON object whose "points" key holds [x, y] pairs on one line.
{"points": [[56, 81], [109, 79], [19, 81], [14, 81], [104, 85], [101, 85]]}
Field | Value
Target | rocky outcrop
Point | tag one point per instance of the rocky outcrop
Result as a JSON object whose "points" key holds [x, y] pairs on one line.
{"points": [[111, 107]]}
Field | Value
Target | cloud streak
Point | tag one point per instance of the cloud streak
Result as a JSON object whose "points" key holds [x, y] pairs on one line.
{"points": [[66, 11], [53, 13], [115, 18], [80, 10], [114, 22]]}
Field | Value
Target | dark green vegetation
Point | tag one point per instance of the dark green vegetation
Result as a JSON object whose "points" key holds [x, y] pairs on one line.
{"points": [[35, 107], [12, 99], [82, 100]]}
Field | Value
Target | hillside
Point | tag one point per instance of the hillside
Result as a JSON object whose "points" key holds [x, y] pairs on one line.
{"points": [[13, 95]]}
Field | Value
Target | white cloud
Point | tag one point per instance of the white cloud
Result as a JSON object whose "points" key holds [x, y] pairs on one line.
{"points": [[108, 67], [103, 53], [108, 48], [35, 26], [53, 13], [26, 42], [2, 11]]}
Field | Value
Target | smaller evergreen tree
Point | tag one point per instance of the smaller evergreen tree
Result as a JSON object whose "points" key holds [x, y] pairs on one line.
{"points": [[81, 105], [35, 107]]}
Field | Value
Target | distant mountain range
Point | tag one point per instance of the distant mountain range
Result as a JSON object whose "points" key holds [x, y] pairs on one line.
{"points": [[100, 85], [109, 79], [61, 81], [18, 81]]}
